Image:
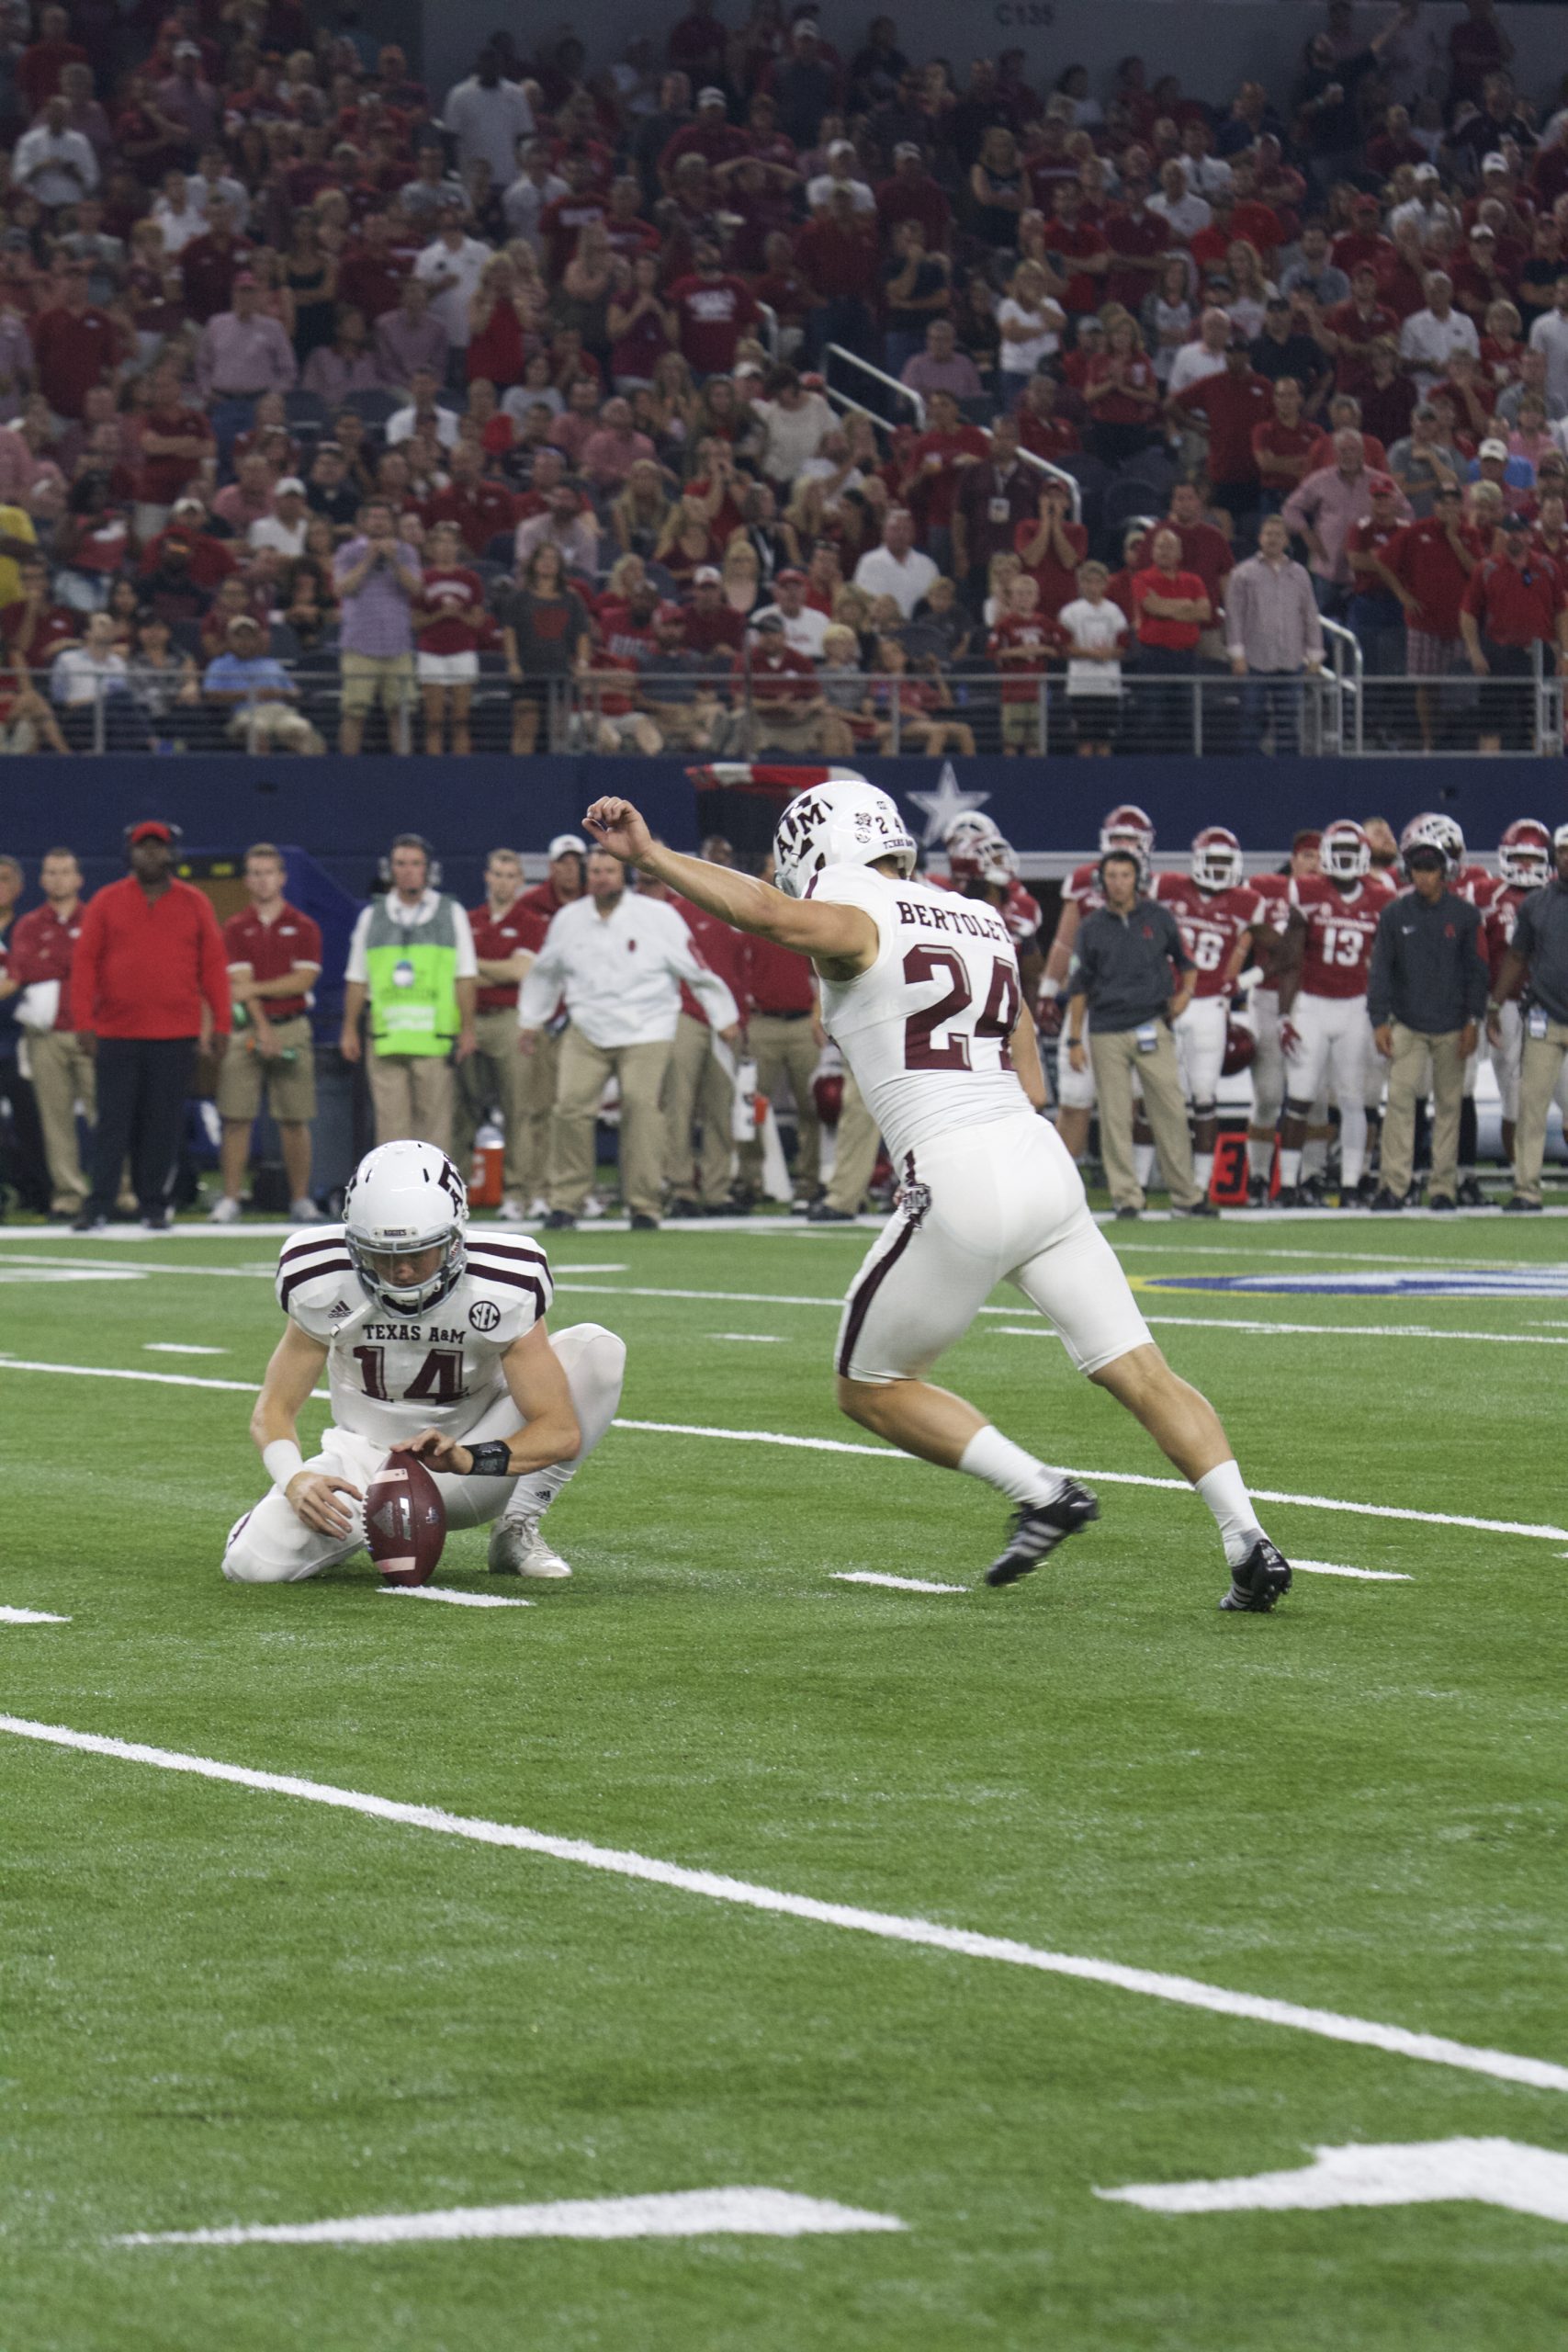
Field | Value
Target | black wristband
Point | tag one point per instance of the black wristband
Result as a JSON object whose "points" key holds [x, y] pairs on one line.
{"points": [[491, 1461]]}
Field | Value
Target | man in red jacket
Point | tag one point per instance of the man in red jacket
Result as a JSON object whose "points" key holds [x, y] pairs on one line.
{"points": [[150, 979]]}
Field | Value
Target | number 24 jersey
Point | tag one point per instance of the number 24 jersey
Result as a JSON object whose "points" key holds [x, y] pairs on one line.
{"points": [[926, 1030], [391, 1375]]}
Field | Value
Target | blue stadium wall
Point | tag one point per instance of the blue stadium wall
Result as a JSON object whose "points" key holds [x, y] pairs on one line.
{"points": [[343, 811]]}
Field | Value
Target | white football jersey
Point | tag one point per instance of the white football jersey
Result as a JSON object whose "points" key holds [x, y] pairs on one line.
{"points": [[926, 1030], [392, 1376]]}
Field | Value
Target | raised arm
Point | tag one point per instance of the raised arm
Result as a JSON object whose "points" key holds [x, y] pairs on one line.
{"points": [[844, 938]]}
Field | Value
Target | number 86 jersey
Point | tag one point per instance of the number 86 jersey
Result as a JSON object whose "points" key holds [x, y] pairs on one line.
{"points": [[925, 1029], [392, 1376]]}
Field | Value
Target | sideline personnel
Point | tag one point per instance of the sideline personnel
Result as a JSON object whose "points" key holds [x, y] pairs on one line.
{"points": [[1426, 993], [411, 956], [150, 979], [1132, 977], [1540, 946]]}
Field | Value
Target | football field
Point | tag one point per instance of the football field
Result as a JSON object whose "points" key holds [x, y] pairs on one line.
{"points": [[767, 1941]]}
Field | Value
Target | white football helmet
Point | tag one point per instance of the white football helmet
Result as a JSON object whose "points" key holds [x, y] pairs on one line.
{"points": [[846, 823], [1524, 854], [1345, 853], [1433, 831], [1217, 862], [403, 1198]]}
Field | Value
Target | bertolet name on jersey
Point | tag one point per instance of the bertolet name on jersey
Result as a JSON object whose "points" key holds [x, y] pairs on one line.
{"points": [[387, 1380], [974, 922]]}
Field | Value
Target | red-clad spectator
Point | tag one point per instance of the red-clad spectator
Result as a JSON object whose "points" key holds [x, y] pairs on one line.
{"points": [[1051, 547], [1201, 546], [174, 445], [447, 619], [1040, 429], [913, 195], [713, 627], [1121, 394], [565, 217], [836, 254], [39, 68], [205, 559], [76, 345], [933, 466], [1171, 607], [1231, 405], [479, 508], [711, 135], [1019, 647], [1136, 239], [370, 276], [210, 263], [699, 45], [1348, 328], [1363, 241], [1514, 602], [1085, 253], [713, 310]]}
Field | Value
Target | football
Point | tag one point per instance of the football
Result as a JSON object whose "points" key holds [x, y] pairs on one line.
{"points": [[405, 1521]]}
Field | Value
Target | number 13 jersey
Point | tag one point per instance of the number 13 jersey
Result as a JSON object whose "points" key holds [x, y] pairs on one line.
{"points": [[391, 1375], [925, 1029]]}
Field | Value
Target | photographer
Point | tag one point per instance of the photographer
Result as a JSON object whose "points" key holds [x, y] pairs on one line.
{"points": [[377, 577]]}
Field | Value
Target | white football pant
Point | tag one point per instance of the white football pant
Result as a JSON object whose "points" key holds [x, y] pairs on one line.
{"points": [[1335, 1042], [1200, 1035], [272, 1545]]}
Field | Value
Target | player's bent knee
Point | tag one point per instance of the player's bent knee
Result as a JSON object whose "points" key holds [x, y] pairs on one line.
{"points": [[865, 1401]]}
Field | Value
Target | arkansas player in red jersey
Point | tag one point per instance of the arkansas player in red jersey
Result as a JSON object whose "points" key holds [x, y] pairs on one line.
{"points": [[1126, 827], [980, 861], [1219, 916], [1525, 863], [1323, 1003], [1267, 1060]]}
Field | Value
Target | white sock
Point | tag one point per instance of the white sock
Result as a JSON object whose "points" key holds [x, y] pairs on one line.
{"points": [[1142, 1164], [1203, 1169], [1227, 1497], [1290, 1169], [1315, 1156], [1261, 1157], [1006, 1467]]}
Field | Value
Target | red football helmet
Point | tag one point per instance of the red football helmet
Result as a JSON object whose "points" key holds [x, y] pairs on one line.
{"points": [[1240, 1048], [1524, 854], [1217, 862], [1129, 827], [1344, 853]]}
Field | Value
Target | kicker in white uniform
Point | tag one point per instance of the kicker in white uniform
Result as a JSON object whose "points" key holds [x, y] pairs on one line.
{"points": [[920, 991], [434, 1338]]}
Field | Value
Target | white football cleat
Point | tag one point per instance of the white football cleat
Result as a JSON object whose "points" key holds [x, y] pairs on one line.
{"points": [[517, 1549], [509, 1213], [305, 1212], [225, 1212]]}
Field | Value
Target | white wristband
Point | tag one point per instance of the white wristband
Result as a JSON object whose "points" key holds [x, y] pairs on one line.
{"points": [[282, 1460]]}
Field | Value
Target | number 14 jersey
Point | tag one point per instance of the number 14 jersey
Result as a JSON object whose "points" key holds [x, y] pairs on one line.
{"points": [[925, 1029], [391, 1375]]}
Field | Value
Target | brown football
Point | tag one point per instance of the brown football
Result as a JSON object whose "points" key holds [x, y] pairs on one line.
{"points": [[405, 1521]]}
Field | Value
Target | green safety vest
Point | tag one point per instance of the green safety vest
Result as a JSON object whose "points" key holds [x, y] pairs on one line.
{"points": [[412, 981]]}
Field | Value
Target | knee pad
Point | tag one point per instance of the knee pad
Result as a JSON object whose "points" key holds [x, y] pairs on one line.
{"points": [[1205, 1109], [1297, 1109]]}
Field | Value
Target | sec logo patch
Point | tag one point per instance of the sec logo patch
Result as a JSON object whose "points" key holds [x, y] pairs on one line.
{"points": [[484, 1316]]}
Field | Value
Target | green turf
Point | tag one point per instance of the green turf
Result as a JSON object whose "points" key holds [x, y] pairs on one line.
{"points": [[224, 2006]]}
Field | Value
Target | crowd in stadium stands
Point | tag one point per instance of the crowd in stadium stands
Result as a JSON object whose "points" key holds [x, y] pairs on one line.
{"points": [[334, 413]]}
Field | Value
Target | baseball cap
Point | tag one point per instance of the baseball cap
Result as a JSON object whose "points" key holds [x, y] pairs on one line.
{"points": [[1481, 230], [188, 506], [246, 277], [1493, 449], [1428, 172], [186, 48], [840, 147], [1494, 161], [790, 571], [567, 845], [1382, 485], [1365, 203], [1515, 523], [768, 620], [151, 829], [907, 147], [291, 481], [712, 96], [705, 576]]}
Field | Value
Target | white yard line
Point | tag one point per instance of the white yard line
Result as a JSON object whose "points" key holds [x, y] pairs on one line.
{"points": [[1545, 1534], [899, 1584], [685, 2213], [178, 1348], [1329, 1568], [1186, 1992], [1306, 1331], [752, 1338], [458, 1600], [30, 1617]]}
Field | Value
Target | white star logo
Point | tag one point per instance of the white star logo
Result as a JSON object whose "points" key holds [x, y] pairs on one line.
{"points": [[943, 806]]}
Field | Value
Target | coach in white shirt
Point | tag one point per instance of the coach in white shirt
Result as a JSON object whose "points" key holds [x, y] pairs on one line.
{"points": [[897, 568], [1428, 340], [619, 960]]}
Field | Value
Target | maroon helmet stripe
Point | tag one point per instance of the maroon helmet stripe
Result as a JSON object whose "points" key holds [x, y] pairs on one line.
{"points": [[291, 1283], [865, 1290]]}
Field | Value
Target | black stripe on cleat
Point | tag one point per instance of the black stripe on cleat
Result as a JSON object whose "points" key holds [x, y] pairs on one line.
{"points": [[1262, 1579], [1038, 1529]]}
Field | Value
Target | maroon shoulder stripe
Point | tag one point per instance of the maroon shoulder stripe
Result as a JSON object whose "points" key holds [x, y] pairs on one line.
{"points": [[309, 1248], [524, 1250], [865, 1290], [291, 1283], [517, 1282]]}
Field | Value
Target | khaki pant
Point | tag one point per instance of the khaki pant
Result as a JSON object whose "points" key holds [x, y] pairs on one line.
{"points": [[1414, 1056], [413, 1095], [496, 1072], [1116, 1058], [854, 1153], [1540, 1066], [699, 1094], [640, 1071], [785, 1049], [62, 1076]]}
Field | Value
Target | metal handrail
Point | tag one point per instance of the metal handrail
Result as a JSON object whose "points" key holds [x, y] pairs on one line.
{"points": [[1343, 643], [907, 392], [880, 376]]}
